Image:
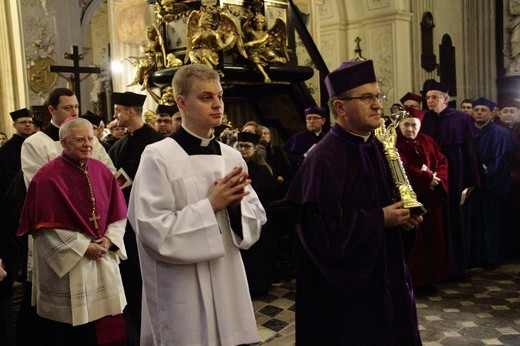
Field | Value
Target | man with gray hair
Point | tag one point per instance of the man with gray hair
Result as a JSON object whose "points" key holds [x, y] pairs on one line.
{"points": [[74, 205], [456, 134]]}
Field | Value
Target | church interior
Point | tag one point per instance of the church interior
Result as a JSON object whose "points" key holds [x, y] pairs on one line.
{"points": [[97, 47]]}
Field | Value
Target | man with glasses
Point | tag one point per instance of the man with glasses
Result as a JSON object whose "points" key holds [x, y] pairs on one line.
{"points": [[10, 165], [300, 144], [456, 134], [37, 150], [411, 101], [168, 120], [76, 214], [353, 287]]}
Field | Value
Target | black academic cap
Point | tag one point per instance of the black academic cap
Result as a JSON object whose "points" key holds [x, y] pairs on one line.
{"points": [[21, 113], [167, 109], [128, 99]]}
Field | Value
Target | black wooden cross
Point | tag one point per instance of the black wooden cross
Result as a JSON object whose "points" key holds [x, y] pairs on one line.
{"points": [[76, 70]]}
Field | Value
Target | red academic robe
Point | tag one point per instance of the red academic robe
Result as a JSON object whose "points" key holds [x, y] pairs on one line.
{"points": [[428, 263]]}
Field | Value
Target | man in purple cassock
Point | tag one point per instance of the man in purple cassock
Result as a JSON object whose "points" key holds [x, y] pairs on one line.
{"points": [[353, 287], [76, 213], [299, 145], [456, 134]]}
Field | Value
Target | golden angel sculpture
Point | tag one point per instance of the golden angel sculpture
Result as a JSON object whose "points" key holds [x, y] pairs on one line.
{"points": [[264, 46], [152, 60], [209, 32]]}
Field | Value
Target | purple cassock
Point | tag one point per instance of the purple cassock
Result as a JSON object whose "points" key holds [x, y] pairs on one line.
{"points": [[298, 145], [353, 287], [456, 134], [64, 200]]}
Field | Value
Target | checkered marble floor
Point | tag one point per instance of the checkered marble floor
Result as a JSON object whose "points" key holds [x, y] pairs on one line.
{"points": [[483, 311]]}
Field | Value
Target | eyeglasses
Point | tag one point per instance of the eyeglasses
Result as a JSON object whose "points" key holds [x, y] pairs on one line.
{"points": [[367, 98], [245, 146], [311, 118], [25, 122], [82, 140]]}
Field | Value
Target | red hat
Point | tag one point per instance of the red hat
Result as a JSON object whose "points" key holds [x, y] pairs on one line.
{"points": [[416, 113], [509, 103], [410, 96]]}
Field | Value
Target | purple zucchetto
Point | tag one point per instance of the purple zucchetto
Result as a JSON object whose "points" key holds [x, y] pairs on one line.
{"points": [[248, 137], [316, 110], [411, 96], [349, 75], [128, 99], [509, 103], [442, 87], [484, 102], [21, 113]]}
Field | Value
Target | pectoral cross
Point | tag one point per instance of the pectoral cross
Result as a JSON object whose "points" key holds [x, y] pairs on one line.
{"points": [[94, 219], [75, 70]]}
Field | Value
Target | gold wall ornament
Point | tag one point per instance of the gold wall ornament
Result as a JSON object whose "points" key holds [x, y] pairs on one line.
{"points": [[210, 31], [40, 79], [403, 190], [265, 47]]}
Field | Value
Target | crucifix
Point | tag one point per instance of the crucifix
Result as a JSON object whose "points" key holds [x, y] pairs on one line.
{"points": [[94, 218], [75, 70]]}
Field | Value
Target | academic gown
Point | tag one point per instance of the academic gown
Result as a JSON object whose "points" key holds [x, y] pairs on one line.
{"points": [[10, 165], [456, 134], [299, 145], [194, 285], [260, 259], [126, 154], [496, 147], [10, 247], [353, 287], [510, 237], [421, 157]]}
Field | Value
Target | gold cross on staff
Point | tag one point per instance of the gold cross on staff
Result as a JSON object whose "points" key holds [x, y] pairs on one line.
{"points": [[94, 218]]}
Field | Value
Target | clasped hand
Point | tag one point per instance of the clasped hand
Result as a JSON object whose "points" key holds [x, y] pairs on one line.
{"points": [[98, 248], [229, 190], [396, 215]]}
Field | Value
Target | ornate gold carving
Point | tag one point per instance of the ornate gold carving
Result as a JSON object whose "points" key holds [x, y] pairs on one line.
{"points": [[263, 45], [209, 31], [387, 136], [40, 80]]}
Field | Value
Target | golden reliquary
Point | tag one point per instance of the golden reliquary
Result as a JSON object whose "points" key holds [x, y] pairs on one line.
{"points": [[386, 134]]}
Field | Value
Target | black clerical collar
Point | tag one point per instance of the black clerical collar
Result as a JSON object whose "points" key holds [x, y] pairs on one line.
{"points": [[53, 131], [204, 142], [196, 145]]}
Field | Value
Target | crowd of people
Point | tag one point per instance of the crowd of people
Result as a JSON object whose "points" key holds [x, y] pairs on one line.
{"points": [[164, 233]]}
